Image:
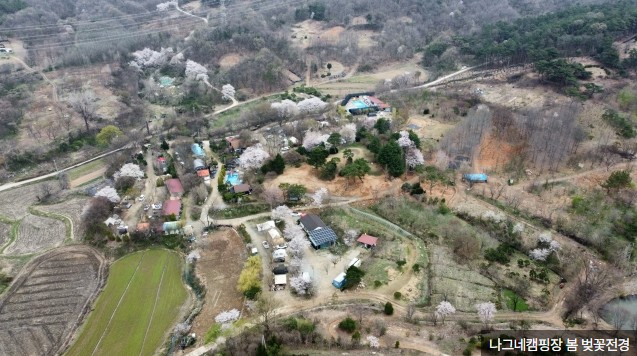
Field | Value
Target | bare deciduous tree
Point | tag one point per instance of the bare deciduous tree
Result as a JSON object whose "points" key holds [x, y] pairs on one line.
{"points": [[84, 103]]}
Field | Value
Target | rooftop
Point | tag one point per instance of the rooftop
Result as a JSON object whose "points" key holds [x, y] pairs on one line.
{"points": [[368, 240], [171, 207], [311, 222], [322, 236], [174, 186], [241, 188]]}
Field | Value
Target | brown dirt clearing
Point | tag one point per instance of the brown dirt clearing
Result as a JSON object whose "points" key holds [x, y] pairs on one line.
{"points": [[221, 262], [88, 177], [230, 60], [429, 128], [494, 154]]}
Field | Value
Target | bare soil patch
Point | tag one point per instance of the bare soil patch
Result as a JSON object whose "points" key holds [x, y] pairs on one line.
{"points": [[88, 177], [494, 154], [429, 128], [71, 209], [14, 203], [307, 176], [48, 301], [5, 229], [36, 234], [230, 60], [222, 256]]}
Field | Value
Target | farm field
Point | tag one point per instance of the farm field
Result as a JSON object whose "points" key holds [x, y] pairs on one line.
{"points": [[5, 230], [14, 203], [222, 257], [48, 299], [35, 234], [140, 303], [71, 209]]}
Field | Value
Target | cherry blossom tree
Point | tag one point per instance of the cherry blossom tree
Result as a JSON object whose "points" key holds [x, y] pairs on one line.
{"points": [[369, 122], [228, 316], [147, 58], [285, 109], [404, 140], [313, 139], [321, 196], [444, 309], [546, 246], [253, 157], [413, 157], [228, 91], [302, 285], [109, 193], [196, 71], [129, 170], [441, 160], [311, 105], [293, 231], [295, 264], [348, 132], [282, 212], [164, 6], [298, 245], [273, 195], [373, 341], [486, 312]]}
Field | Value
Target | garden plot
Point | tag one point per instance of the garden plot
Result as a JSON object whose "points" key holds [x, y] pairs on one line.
{"points": [[460, 285], [36, 234], [14, 203], [71, 209], [47, 301]]}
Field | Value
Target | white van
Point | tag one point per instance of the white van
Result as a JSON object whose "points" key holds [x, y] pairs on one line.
{"points": [[6, 50]]}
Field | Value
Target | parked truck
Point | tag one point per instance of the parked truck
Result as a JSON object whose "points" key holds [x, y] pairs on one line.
{"points": [[475, 178]]}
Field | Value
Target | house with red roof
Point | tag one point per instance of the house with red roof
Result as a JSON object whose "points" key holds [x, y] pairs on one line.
{"points": [[175, 189], [171, 207], [368, 241]]}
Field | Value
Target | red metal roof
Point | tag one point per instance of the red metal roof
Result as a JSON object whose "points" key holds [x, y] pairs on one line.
{"points": [[368, 240], [171, 207], [203, 173], [378, 102], [174, 186]]}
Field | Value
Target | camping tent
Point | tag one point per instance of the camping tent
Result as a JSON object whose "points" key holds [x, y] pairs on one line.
{"points": [[274, 233]]}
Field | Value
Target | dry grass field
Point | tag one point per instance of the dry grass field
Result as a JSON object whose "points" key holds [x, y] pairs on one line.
{"points": [[46, 302], [14, 203], [36, 234], [72, 209]]}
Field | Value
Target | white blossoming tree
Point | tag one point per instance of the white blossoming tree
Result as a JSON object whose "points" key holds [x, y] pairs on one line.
{"points": [[109, 193], [253, 157], [147, 58], [373, 341], [348, 132], [444, 309], [285, 109], [228, 91], [282, 212], [228, 316], [311, 105], [546, 246], [293, 231], [486, 312], [404, 140], [295, 264], [302, 286], [413, 157], [164, 6], [129, 170], [313, 139], [298, 245], [196, 71], [321, 196], [496, 217]]}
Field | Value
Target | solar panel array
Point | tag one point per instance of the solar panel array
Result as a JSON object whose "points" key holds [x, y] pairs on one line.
{"points": [[322, 236]]}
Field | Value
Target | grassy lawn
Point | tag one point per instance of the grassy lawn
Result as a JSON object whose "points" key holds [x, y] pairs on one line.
{"points": [[75, 173], [134, 320], [510, 296]]}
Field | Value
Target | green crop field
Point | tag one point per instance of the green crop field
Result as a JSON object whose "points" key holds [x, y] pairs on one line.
{"points": [[140, 303]]}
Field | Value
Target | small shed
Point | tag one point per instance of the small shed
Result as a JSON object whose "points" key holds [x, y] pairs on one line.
{"points": [[171, 227], [266, 226], [205, 174], [198, 164], [241, 188], [339, 281], [280, 279], [174, 187], [368, 240], [171, 207], [274, 234]]}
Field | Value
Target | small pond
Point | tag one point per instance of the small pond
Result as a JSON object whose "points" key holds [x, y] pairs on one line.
{"points": [[627, 307]]}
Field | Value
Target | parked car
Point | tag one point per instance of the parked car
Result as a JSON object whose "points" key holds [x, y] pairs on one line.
{"points": [[127, 205], [294, 213], [157, 206], [141, 198], [266, 245], [281, 247], [146, 207]]}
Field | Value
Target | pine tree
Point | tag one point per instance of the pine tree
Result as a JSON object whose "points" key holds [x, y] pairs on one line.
{"points": [[391, 157]]}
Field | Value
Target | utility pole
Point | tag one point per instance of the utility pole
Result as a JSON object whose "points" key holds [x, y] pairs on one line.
{"points": [[224, 13], [55, 165]]}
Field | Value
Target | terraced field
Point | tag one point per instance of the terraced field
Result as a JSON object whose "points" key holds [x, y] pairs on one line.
{"points": [[48, 300], [35, 234], [141, 302]]}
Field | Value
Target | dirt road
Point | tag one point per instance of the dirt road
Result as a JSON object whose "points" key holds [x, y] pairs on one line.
{"points": [[88, 177]]}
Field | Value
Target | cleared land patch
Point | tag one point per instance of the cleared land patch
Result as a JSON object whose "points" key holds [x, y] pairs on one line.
{"points": [[140, 303], [48, 299], [14, 203], [5, 230], [71, 209], [37, 233]]}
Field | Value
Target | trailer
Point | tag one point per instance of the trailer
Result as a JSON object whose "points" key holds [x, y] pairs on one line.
{"points": [[339, 281]]}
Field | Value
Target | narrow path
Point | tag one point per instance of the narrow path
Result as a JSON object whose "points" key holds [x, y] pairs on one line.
{"points": [[152, 315], [87, 177], [188, 13], [54, 92], [119, 302], [384, 222]]}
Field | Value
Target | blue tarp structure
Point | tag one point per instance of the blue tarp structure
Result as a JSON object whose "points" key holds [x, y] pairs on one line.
{"points": [[171, 227], [475, 177], [197, 150]]}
